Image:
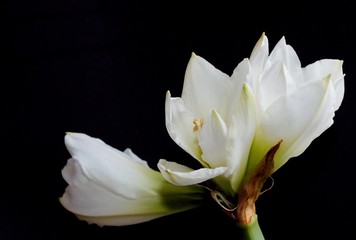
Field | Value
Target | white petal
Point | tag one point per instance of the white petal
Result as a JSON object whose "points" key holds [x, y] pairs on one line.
{"points": [[241, 72], [287, 119], [321, 120], [240, 76], [90, 197], [104, 183], [104, 164], [179, 123], [135, 158], [286, 54], [212, 140], [321, 69], [338, 81], [258, 59], [181, 175], [241, 133], [94, 203], [274, 83], [204, 86]]}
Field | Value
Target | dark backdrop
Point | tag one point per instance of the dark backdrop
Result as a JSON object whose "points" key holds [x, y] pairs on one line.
{"points": [[103, 68]]}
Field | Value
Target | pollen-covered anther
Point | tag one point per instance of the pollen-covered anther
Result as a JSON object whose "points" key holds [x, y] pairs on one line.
{"points": [[198, 124]]}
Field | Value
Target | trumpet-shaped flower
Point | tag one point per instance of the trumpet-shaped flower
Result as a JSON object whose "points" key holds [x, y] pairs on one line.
{"points": [[250, 123], [240, 128], [295, 104], [110, 187], [214, 121]]}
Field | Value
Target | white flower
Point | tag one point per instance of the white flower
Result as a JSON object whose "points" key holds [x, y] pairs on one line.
{"points": [[110, 187], [295, 104], [229, 123], [241, 128], [214, 121]]}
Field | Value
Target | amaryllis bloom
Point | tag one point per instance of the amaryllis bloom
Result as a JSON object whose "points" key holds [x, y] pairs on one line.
{"points": [[243, 127], [214, 121], [240, 128], [295, 104], [110, 187]]}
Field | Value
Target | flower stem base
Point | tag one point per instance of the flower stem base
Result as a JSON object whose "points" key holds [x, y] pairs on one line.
{"points": [[252, 230]]}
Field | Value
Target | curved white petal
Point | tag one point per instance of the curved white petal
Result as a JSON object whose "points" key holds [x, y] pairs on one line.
{"points": [[104, 164], [135, 158], [258, 59], [180, 126], [287, 119], [339, 85], [91, 197], [321, 69], [241, 72], [105, 183], [274, 83], [241, 134], [204, 86], [321, 120], [240, 75], [212, 140], [181, 175], [282, 52]]}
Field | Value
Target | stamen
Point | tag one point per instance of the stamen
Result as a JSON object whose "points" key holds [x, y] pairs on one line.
{"points": [[198, 124]]}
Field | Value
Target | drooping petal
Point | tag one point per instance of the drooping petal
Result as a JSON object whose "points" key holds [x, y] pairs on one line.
{"points": [[107, 184], [105, 164], [181, 175], [180, 126], [135, 158], [204, 86], [87, 196]]}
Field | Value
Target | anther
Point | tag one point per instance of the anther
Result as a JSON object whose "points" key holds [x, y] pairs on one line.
{"points": [[198, 124]]}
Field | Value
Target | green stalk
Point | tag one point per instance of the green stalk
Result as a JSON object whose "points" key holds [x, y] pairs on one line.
{"points": [[252, 230]]}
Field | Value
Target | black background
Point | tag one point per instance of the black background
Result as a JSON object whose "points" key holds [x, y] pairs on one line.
{"points": [[103, 68]]}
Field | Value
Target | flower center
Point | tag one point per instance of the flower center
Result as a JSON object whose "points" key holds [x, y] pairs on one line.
{"points": [[198, 124]]}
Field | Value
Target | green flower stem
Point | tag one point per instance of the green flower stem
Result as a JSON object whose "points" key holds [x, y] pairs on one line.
{"points": [[252, 230]]}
